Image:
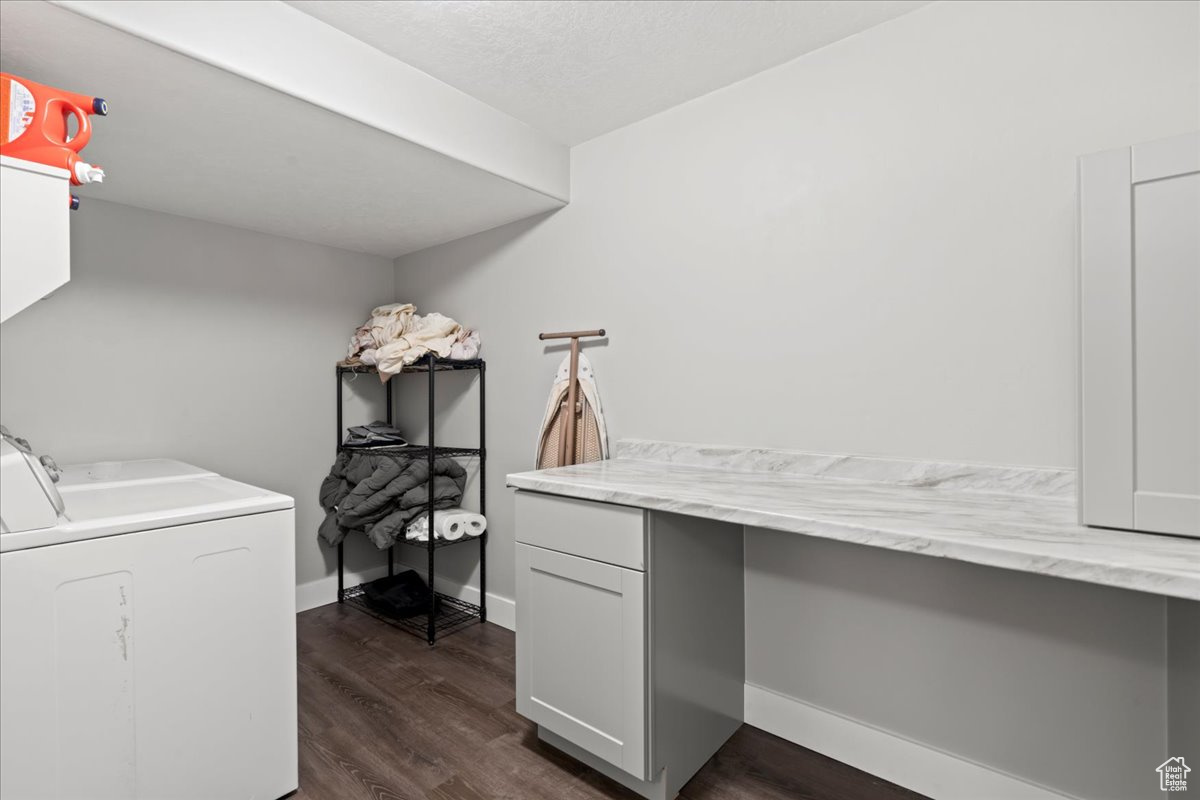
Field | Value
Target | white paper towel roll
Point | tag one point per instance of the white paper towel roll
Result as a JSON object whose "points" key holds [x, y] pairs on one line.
{"points": [[450, 524]]}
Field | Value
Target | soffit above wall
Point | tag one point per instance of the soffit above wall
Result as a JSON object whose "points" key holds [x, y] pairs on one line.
{"points": [[352, 149]]}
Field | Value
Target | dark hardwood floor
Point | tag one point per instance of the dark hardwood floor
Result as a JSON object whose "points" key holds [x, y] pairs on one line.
{"points": [[385, 717]]}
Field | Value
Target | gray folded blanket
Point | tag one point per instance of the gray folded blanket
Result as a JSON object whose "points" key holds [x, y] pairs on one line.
{"points": [[377, 434], [380, 494]]}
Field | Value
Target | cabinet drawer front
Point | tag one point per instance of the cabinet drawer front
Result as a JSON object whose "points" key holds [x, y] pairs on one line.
{"points": [[599, 531], [581, 653]]}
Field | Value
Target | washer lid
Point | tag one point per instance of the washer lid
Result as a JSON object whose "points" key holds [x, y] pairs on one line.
{"points": [[109, 472], [110, 507]]}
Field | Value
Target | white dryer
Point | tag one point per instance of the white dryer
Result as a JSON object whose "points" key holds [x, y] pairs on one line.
{"points": [[147, 633]]}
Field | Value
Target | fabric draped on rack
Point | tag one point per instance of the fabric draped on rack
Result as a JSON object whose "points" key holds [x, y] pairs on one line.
{"points": [[396, 336], [431, 333], [467, 346], [591, 429], [380, 494]]}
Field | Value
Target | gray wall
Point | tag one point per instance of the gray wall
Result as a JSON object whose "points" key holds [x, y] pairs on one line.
{"points": [[184, 339], [1064, 684], [869, 249]]}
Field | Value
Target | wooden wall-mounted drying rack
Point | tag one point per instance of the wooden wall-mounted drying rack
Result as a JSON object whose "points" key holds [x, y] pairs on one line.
{"points": [[568, 452]]}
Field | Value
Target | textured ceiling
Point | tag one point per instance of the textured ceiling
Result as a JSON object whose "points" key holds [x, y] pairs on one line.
{"points": [[576, 70]]}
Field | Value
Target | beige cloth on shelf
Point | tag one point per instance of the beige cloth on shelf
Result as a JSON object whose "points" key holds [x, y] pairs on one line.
{"points": [[431, 333], [467, 346], [395, 336]]}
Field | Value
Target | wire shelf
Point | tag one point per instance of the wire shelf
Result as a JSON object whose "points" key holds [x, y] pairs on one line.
{"points": [[416, 451], [438, 544], [420, 365], [452, 615]]}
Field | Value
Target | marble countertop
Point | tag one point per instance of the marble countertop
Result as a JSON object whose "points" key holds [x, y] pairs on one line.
{"points": [[1032, 532]]}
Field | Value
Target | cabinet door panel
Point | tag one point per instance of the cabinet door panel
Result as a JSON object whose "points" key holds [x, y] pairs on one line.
{"points": [[35, 251], [1166, 280], [1140, 337], [581, 658]]}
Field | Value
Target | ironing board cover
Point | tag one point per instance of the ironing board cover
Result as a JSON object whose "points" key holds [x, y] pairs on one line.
{"points": [[591, 434]]}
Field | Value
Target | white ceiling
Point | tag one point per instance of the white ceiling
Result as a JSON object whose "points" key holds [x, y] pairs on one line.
{"points": [[575, 70]]}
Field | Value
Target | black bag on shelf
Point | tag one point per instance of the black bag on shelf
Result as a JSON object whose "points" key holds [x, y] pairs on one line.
{"points": [[399, 596]]}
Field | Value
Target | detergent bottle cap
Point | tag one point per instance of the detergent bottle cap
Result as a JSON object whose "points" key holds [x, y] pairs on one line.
{"points": [[86, 173]]}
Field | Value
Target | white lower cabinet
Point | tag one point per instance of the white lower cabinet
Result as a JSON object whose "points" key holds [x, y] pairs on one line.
{"points": [[582, 645], [630, 637]]}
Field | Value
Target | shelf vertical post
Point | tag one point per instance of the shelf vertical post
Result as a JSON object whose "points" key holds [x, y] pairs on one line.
{"points": [[483, 490], [388, 399], [338, 373], [429, 632], [387, 392]]}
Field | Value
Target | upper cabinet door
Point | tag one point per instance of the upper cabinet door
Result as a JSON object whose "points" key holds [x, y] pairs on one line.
{"points": [[1140, 317], [35, 251]]}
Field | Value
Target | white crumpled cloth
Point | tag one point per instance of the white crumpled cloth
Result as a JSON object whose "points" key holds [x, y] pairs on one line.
{"points": [[395, 336]]}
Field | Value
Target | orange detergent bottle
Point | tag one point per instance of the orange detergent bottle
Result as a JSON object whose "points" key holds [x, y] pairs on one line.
{"points": [[33, 126]]}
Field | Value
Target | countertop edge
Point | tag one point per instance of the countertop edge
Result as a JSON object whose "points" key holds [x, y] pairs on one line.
{"points": [[1139, 579]]}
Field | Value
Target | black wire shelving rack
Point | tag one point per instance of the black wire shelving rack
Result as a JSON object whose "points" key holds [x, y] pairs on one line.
{"points": [[446, 614]]}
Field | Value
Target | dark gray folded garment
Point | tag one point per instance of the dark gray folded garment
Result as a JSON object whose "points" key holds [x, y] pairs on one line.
{"points": [[379, 494], [377, 434]]}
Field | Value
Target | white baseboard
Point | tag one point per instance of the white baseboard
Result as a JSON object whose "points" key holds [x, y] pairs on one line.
{"points": [[915, 766], [323, 591]]}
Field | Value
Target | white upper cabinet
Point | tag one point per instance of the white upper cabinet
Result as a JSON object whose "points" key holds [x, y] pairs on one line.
{"points": [[259, 116], [1140, 316], [35, 248]]}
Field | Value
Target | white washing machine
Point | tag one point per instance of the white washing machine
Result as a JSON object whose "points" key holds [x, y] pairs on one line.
{"points": [[147, 633]]}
